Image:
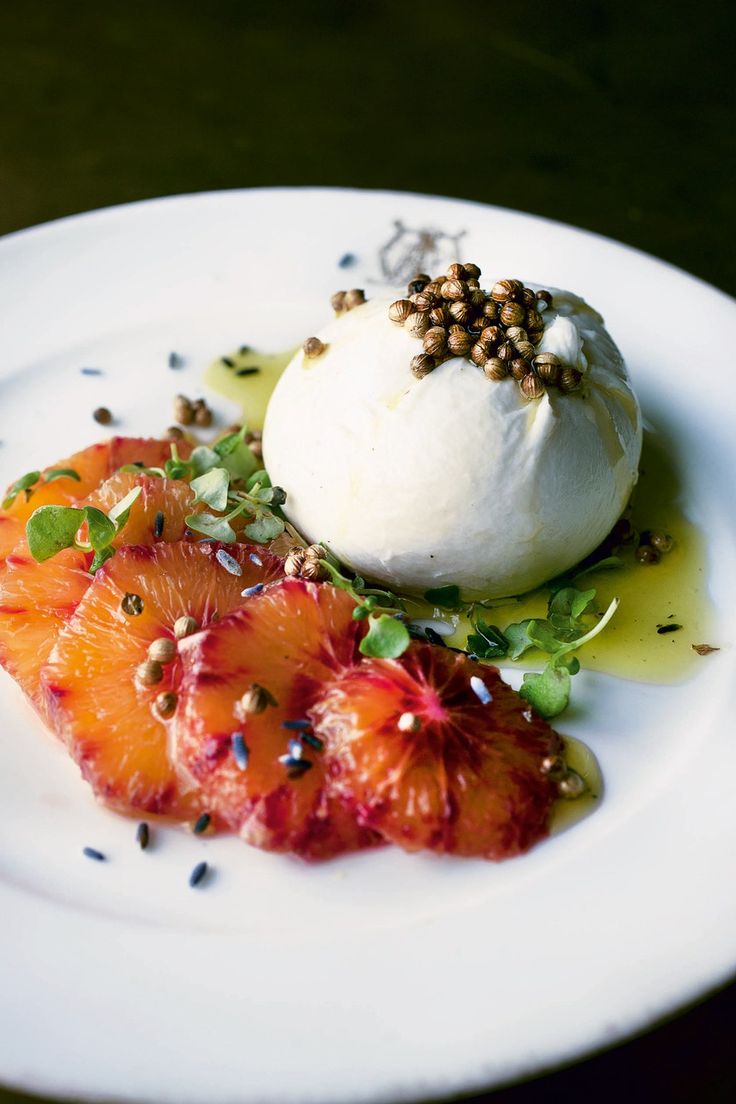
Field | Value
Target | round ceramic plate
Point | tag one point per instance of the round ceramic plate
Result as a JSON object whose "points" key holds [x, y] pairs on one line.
{"points": [[380, 976]]}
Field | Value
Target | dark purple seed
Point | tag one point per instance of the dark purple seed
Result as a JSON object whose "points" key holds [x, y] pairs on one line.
{"points": [[347, 260], [250, 591], [295, 768], [228, 362], [201, 824], [175, 360], [313, 741], [252, 371], [158, 525], [434, 637], [198, 874], [661, 629], [241, 752], [255, 559], [143, 835], [93, 853], [296, 725], [227, 561], [244, 349], [91, 371]]}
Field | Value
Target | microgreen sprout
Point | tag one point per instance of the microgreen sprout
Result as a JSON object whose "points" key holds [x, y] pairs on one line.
{"points": [[27, 483], [50, 529], [387, 636]]}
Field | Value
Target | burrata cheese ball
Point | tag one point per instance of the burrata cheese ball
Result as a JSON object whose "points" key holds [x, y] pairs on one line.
{"points": [[453, 478]]}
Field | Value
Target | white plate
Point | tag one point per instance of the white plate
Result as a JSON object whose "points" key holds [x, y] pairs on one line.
{"points": [[382, 976]]}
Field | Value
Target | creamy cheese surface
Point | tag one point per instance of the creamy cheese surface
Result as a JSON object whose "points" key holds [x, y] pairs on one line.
{"points": [[454, 478]]}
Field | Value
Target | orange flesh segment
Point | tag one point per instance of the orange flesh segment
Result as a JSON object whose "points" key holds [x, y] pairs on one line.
{"points": [[100, 708]]}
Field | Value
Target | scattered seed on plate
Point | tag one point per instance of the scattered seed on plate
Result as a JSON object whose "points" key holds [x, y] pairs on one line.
{"points": [[295, 768], [255, 559], [93, 853], [480, 690], [244, 349], [228, 562], [91, 371], [297, 725], [201, 824], [158, 525], [198, 874], [102, 415], [434, 637], [175, 360], [143, 835], [347, 260], [252, 371], [250, 591], [661, 629], [132, 605], [241, 753], [228, 362]]}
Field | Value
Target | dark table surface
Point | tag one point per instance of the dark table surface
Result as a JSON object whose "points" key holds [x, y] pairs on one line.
{"points": [[615, 117]]}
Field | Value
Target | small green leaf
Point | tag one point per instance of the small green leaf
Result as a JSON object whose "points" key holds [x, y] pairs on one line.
{"points": [[50, 529], [386, 638], [23, 484], [61, 473], [204, 458], [217, 528], [230, 443], [487, 642], [240, 461], [517, 635], [361, 612], [258, 478], [544, 635], [211, 488], [548, 692], [265, 528], [177, 469], [101, 531], [120, 512], [571, 602], [337, 578], [446, 597], [100, 558]]}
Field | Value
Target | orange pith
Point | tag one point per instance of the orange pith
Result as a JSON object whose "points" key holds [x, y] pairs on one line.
{"points": [[98, 703], [467, 782], [290, 639]]}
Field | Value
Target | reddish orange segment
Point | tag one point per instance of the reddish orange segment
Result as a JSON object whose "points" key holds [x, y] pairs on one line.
{"points": [[93, 465], [290, 640], [102, 708], [38, 599], [468, 781]]}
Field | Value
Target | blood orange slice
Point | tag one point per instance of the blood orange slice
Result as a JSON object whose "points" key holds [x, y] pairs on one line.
{"points": [[109, 695], [249, 684], [38, 599], [431, 759]]}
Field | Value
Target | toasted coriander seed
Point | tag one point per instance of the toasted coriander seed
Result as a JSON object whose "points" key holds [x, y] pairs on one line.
{"points": [[203, 416], [132, 605], [400, 311], [496, 369], [422, 365], [456, 272], [313, 347], [183, 410], [506, 351], [175, 432], [477, 298], [150, 672], [528, 298], [461, 311], [645, 554], [554, 766], [569, 379], [434, 287], [162, 650], [531, 387], [516, 334], [354, 298], [661, 541], [184, 626], [337, 301], [459, 341], [490, 310], [547, 367], [312, 568], [256, 700], [472, 283], [512, 314], [490, 336], [294, 561], [418, 283], [544, 300], [425, 300], [165, 704], [417, 324], [102, 415], [440, 316], [503, 290], [409, 722], [472, 270], [454, 290], [525, 349], [519, 368], [571, 785], [435, 341], [534, 320], [478, 354]]}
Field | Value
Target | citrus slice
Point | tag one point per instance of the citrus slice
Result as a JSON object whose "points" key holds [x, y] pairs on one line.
{"points": [[113, 677], [436, 752], [242, 731]]}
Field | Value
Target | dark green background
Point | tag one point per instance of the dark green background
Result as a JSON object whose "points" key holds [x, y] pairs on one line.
{"points": [[615, 117]]}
